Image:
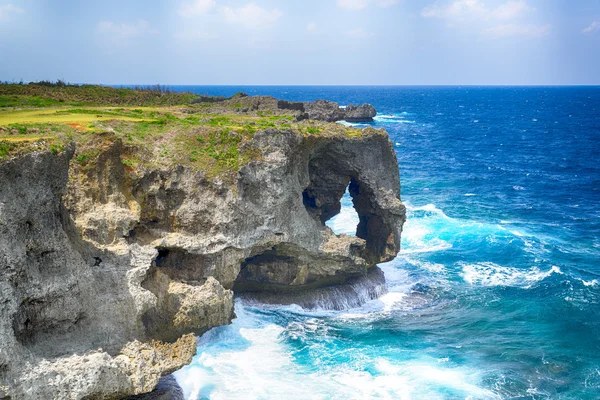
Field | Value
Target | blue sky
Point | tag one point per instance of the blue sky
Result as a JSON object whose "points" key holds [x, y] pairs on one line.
{"points": [[406, 42]]}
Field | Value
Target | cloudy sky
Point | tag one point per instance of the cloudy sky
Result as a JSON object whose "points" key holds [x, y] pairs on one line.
{"points": [[407, 42]]}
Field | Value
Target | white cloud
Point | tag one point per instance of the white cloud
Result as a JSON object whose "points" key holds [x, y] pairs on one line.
{"points": [[509, 30], [460, 10], [251, 16], [358, 33], [193, 8], [361, 4], [594, 26], [506, 19], [7, 9], [353, 4], [122, 34], [311, 27], [512, 9]]}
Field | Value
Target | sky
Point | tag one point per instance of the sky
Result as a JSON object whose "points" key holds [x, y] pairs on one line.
{"points": [[302, 42]]}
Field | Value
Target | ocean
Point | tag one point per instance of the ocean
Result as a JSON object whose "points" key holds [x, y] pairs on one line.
{"points": [[496, 291]]}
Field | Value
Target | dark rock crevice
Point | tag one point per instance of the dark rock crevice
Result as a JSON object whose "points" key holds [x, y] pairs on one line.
{"points": [[188, 300]]}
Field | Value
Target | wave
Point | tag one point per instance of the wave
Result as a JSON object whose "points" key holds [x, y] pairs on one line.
{"points": [[254, 358], [591, 283], [421, 230], [351, 124], [393, 119], [490, 274], [352, 294], [429, 229], [345, 222]]}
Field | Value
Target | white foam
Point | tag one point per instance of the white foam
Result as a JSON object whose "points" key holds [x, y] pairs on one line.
{"points": [[393, 118], [249, 359], [419, 235], [592, 283], [431, 267], [345, 222], [469, 194], [490, 274], [417, 238], [427, 207], [374, 309]]}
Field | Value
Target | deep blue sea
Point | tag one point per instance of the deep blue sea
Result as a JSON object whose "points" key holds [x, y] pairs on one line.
{"points": [[496, 291]]}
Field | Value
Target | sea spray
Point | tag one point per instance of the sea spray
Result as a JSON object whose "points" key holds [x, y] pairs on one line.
{"points": [[353, 293]]}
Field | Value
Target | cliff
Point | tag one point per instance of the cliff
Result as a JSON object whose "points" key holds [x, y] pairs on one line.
{"points": [[122, 242]]}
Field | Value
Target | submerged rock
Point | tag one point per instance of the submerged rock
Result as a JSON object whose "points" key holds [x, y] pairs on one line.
{"points": [[107, 274]]}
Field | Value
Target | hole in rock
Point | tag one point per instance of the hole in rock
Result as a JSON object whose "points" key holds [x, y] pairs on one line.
{"points": [[346, 221], [335, 183], [334, 206], [162, 256]]}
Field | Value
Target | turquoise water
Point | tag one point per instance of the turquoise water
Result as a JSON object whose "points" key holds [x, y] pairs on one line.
{"points": [[496, 292]]}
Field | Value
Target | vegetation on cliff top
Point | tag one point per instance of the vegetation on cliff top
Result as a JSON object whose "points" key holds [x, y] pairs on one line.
{"points": [[46, 94], [157, 127]]}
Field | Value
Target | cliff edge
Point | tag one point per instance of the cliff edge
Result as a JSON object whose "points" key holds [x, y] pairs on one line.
{"points": [[122, 242]]}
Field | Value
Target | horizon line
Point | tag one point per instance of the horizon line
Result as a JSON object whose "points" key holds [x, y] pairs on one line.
{"points": [[347, 85]]}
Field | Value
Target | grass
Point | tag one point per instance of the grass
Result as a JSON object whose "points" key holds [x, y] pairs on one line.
{"points": [[63, 116], [5, 148], [22, 138], [159, 129], [26, 101]]}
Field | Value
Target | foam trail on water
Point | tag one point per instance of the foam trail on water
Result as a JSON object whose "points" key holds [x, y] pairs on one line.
{"points": [[393, 119], [490, 274]]}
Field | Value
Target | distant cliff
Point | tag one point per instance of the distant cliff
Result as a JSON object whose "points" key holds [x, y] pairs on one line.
{"points": [[120, 244]]}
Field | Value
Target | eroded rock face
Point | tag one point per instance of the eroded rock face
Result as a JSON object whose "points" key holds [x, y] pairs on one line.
{"points": [[362, 113], [319, 110], [108, 274], [323, 110], [329, 111]]}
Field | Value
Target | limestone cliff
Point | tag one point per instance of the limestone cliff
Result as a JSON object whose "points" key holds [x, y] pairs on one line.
{"points": [[108, 272]]}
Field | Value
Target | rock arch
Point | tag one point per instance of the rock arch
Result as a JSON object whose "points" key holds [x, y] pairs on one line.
{"points": [[337, 166]]}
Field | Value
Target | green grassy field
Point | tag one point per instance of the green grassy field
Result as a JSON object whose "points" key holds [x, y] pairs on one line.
{"points": [[159, 129]]}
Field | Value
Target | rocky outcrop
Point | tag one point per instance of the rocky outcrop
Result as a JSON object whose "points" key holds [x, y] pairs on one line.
{"points": [[329, 111], [108, 273], [319, 110], [362, 113]]}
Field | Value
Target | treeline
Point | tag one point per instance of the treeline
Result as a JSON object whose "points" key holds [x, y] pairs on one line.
{"points": [[59, 83], [86, 94]]}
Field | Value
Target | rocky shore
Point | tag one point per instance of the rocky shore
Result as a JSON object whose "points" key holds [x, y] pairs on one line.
{"points": [[109, 269]]}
